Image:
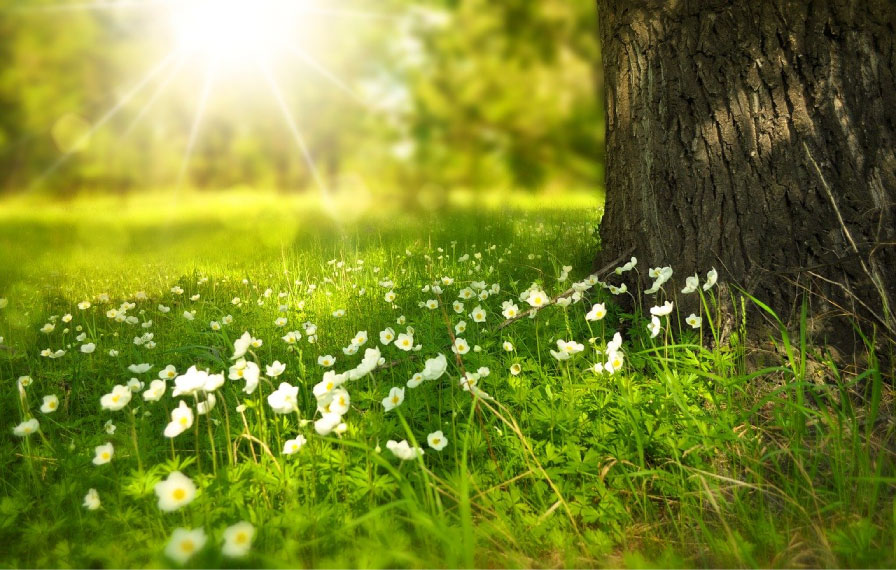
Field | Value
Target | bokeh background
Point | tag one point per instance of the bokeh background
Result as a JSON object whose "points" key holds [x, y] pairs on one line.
{"points": [[409, 100]]}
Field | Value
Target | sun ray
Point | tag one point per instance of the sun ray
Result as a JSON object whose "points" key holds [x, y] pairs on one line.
{"points": [[197, 122], [160, 88], [291, 123], [107, 116], [319, 68]]}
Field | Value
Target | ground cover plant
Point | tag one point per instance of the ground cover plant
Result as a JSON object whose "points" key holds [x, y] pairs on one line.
{"points": [[244, 381]]}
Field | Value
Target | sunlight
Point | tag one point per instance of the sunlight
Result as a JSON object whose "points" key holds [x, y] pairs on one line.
{"points": [[233, 32]]}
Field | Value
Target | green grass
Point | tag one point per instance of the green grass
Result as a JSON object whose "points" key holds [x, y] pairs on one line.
{"points": [[687, 456]]}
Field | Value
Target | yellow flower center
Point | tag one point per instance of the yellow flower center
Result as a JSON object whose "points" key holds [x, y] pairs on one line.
{"points": [[105, 455], [436, 441], [183, 420], [179, 495], [115, 399], [395, 400], [241, 538], [188, 545]]}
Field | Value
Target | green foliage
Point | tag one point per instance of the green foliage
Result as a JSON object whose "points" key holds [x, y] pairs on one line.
{"points": [[684, 457], [399, 95]]}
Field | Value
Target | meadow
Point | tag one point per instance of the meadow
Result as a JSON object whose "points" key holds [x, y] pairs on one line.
{"points": [[258, 379]]}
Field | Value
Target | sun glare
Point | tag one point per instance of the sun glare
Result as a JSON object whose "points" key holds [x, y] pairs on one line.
{"points": [[233, 32]]}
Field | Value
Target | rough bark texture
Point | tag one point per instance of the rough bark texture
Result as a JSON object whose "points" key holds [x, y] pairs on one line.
{"points": [[757, 137]]}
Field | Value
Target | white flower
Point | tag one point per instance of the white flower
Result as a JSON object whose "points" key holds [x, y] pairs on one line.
{"points": [[155, 392], [694, 321], [566, 349], [327, 423], [184, 544], [394, 399], [181, 420], [654, 326], [238, 538], [614, 362], [618, 290], [103, 454], [597, 312], [175, 491], [415, 380], [92, 500], [436, 440], [387, 336], [615, 345], [510, 310], [284, 400], [48, 328], [88, 348], [189, 383], [460, 346], [360, 339], [515, 369], [711, 277], [140, 368], [248, 371], [204, 407], [367, 365], [339, 313], [434, 368], [627, 267], [293, 445], [241, 345], [189, 315], [478, 314], [275, 369], [458, 307], [691, 284], [164, 309], [177, 290], [661, 275], [326, 360], [537, 298], [336, 402], [350, 350], [460, 327], [168, 372], [662, 311], [405, 341], [432, 304], [84, 305], [117, 399], [26, 428], [50, 405], [109, 427], [403, 451]]}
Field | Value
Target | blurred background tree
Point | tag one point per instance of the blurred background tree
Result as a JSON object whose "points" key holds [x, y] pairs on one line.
{"points": [[408, 98]]}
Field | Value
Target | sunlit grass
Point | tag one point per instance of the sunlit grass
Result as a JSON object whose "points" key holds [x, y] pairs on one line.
{"points": [[686, 455]]}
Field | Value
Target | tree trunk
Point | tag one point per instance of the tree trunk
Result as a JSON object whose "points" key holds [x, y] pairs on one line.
{"points": [[758, 138]]}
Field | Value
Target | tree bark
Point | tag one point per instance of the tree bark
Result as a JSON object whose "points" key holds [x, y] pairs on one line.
{"points": [[758, 138]]}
